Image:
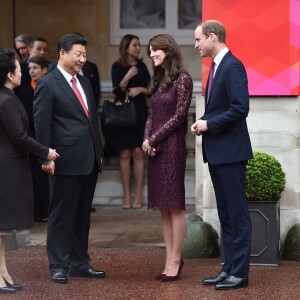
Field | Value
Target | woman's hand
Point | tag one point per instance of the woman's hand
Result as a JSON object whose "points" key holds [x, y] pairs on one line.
{"points": [[150, 151], [52, 154], [131, 73], [133, 92], [49, 167]]}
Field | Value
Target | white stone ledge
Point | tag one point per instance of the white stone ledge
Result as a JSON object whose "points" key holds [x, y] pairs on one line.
{"points": [[279, 104]]}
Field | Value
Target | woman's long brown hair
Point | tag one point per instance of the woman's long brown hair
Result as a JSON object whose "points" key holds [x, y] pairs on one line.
{"points": [[172, 67]]}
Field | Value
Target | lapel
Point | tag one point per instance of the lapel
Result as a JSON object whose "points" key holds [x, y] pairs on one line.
{"points": [[217, 74], [65, 86]]}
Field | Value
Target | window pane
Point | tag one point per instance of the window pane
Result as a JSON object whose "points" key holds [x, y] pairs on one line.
{"points": [[189, 13], [143, 14]]}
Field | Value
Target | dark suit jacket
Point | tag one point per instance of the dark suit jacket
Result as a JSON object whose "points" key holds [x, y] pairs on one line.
{"points": [[16, 194], [90, 71], [26, 97], [60, 122], [25, 80], [227, 139]]}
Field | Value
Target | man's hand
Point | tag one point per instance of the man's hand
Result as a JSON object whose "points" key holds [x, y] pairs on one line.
{"points": [[199, 127], [52, 154], [49, 167]]}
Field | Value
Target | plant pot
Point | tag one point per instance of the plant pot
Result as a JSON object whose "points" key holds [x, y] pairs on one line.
{"points": [[265, 241]]}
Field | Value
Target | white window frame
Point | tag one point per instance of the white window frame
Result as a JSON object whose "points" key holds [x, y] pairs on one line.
{"points": [[182, 36]]}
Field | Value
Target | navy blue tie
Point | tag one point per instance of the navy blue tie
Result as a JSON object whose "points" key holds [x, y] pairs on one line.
{"points": [[210, 79]]}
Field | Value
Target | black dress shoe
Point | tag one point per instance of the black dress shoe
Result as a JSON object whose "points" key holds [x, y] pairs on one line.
{"points": [[7, 290], [90, 272], [232, 282], [15, 286], [59, 277], [214, 280], [93, 209]]}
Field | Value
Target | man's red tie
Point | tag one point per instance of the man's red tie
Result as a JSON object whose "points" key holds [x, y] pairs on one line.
{"points": [[76, 91], [210, 80]]}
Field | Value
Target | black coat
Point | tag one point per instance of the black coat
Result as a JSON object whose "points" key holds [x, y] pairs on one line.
{"points": [[16, 193]]}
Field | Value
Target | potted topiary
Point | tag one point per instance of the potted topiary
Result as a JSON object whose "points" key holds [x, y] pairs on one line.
{"points": [[265, 178], [265, 183]]}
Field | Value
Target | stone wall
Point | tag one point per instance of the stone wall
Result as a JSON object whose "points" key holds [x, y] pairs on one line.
{"points": [[274, 126]]}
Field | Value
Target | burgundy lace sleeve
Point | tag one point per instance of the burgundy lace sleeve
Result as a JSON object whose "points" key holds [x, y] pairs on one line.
{"points": [[148, 125], [184, 89]]}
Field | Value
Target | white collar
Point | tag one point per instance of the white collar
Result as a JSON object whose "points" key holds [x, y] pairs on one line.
{"points": [[66, 74], [220, 55]]}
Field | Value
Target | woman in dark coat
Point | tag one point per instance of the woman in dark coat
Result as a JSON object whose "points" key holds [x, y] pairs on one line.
{"points": [[16, 192]]}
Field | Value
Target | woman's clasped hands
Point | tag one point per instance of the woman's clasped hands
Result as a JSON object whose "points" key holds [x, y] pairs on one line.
{"points": [[150, 151]]}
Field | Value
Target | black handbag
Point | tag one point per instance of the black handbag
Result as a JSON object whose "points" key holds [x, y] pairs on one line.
{"points": [[119, 114]]}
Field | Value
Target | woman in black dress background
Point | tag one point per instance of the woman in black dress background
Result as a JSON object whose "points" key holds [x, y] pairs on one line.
{"points": [[131, 74]]}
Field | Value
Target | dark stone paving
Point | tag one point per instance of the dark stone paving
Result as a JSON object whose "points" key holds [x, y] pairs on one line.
{"points": [[130, 276], [127, 244]]}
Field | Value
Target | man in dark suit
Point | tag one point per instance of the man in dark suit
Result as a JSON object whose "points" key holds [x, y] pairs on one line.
{"points": [[90, 71], [66, 118], [227, 148]]}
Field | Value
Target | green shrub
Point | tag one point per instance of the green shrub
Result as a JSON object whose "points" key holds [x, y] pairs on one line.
{"points": [[265, 178]]}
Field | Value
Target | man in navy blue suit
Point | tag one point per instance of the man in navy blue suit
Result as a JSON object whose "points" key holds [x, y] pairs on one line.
{"points": [[227, 148]]}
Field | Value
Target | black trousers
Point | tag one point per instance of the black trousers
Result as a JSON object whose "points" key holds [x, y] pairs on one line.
{"points": [[71, 198]]}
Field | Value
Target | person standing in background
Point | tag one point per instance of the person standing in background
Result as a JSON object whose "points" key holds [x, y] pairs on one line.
{"points": [[22, 45], [165, 145], [226, 148], [90, 71], [129, 74], [38, 47], [65, 116], [38, 67]]}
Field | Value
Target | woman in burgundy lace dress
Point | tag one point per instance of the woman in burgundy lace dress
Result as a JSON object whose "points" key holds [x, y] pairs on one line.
{"points": [[165, 145]]}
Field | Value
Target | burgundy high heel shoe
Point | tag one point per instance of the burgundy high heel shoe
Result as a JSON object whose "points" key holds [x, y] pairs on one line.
{"points": [[176, 277], [160, 276]]}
